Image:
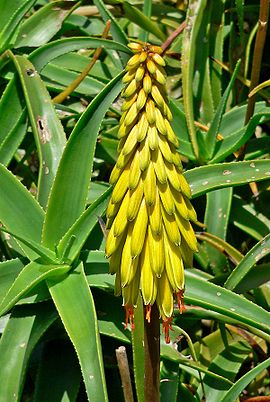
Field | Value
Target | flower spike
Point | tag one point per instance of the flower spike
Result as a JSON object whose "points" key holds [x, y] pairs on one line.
{"points": [[150, 235]]}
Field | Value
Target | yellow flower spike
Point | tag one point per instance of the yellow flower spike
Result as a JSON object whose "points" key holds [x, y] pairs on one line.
{"points": [[139, 230], [152, 136], [143, 56], [170, 134], [160, 122], [123, 160], [147, 84], [156, 49], [141, 99], [121, 186], [192, 216], [130, 89], [131, 141], [128, 264], [165, 296], [151, 66], [115, 174], [172, 175], [149, 188], [135, 47], [157, 96], [112, 210], [150, 111], [112, 243], [131, 115], [177, 160], [123, 131], [139, 73], [165, 149], [180, 204], [159, 60], [142, 127], [128, 77], [156, 251], [120, 221], [159, 166], [155, 216], [167, 112], [144, 154], [160, 77], [184, 186], [131, 292], [148, 279], [166, 197], [171, 227], [187, 232], [134, 61], [150, 236], [135, 201], [129, 102], [135, 172]]}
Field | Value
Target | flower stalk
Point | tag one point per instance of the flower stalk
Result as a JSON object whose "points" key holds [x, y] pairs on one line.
{"points": [[150, 236]]}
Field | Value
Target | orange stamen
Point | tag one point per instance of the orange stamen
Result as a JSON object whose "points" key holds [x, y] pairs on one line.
{"points": [[148, 308], [129, 317], [166, 327], [180, 300]]}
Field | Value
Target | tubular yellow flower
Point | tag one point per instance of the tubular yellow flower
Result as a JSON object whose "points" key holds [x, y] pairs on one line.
{"points": [[150, 236]]}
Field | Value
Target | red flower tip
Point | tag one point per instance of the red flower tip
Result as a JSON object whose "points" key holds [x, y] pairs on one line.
{"points": [[180, 300], [129, 317], [166, 327]]}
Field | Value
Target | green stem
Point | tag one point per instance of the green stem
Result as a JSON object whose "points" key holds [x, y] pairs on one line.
{"points": [[256, 64], [152, 356]]}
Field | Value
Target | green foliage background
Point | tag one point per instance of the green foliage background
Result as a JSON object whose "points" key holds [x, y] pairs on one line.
{"points": [[60, 321]]}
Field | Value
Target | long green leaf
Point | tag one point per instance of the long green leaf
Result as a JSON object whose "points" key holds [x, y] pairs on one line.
{"points": [[240, 385], [228, 364], [29, 277], [217, 214], [69, 193], [208, 178], [259, 251], [72, 297], [147, 11], [179, 125], [10, 20], [82, 228], [210, 138], [48, 256], [213, 297], [9, 270], [194, 17], [49, 134], [13, 120], [43, 55], [58, 367], [135, 15], [13, 139], [221, 245], [117, 32], [237, 139], [19, 212], [245, 217], [24, 328], [34, 33]]}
